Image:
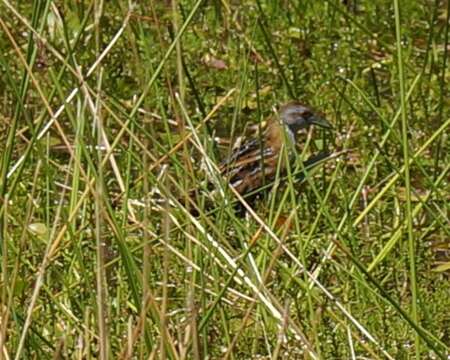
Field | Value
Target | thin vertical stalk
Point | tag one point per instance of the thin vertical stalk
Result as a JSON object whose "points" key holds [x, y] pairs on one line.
{"points": [[147, 249], [180, 70], [443, 89], [4, 278], [405, 145], [99, 206], [100, 242], [165, 275]]}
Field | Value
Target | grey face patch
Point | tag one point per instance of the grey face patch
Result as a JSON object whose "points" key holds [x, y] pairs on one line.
{"points": [[295, 116]]}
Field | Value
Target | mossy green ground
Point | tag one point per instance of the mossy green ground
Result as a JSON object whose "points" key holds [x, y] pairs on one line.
{"points": [[100, 256]]}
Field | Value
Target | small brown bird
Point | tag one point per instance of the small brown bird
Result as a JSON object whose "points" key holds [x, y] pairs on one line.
{"points": [[256, 161]]}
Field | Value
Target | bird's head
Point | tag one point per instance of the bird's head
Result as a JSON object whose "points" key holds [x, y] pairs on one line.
{"points": [[297, 116]]}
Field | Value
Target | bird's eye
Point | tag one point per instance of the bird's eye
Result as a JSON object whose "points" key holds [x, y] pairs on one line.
{"points": [[306, 115]]}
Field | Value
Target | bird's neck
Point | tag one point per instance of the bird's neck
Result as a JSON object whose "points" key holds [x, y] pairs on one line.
{"points": [[290, 135], [278, 134]]}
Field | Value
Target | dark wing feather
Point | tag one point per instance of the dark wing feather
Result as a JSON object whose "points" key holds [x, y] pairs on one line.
{"points": [[243, 150]]}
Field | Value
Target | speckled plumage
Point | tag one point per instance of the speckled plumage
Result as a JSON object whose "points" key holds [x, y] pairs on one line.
{"points": [[256, 161]]}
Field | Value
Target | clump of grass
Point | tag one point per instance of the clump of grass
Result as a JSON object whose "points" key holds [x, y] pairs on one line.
{"points": [[112, 114]]}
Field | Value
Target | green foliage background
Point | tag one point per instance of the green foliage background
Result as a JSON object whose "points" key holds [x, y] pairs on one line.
{"points": [[101, 256]]}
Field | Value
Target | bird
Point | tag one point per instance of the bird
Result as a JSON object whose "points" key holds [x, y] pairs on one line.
{"points": [[255, 162]]}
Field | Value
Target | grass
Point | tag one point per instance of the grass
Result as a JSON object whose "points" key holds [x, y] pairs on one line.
{"points": [[111, 113]]}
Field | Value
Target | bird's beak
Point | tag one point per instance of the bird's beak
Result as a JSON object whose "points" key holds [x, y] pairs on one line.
{"points": [[320, 121]]}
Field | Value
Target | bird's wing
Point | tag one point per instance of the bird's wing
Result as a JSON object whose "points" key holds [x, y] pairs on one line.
{"points": [[243, 151], [251, 169]]}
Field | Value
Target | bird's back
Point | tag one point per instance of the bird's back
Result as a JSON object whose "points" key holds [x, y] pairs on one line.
{"points": [[256, 161]]}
